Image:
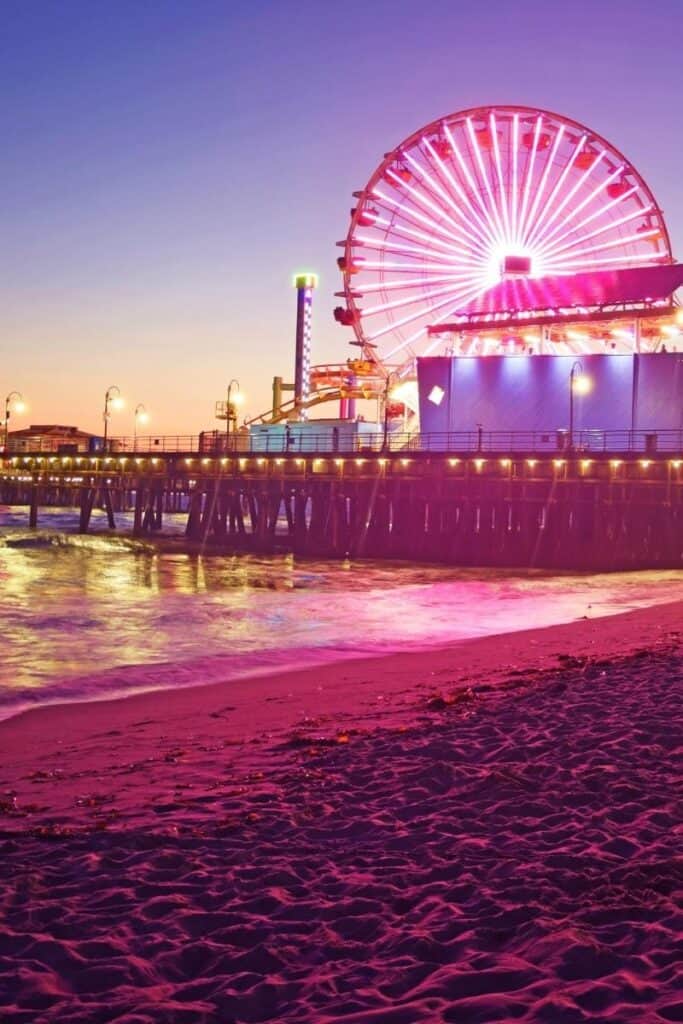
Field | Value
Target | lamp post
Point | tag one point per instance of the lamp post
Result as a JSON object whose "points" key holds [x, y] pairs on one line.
{"points": [[18, 407], [580, 384], [140, 417], [228, 409], [112, 396]]}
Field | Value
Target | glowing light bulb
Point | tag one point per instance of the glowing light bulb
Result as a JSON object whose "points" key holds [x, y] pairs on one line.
{"points": [[582, 384]]}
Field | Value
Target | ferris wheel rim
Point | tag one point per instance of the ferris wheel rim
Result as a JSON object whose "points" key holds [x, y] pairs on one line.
{"points": [[477, 231]]}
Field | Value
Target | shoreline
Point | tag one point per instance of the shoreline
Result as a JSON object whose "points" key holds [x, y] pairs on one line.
{"points": [[253, 714], [173, 656]]}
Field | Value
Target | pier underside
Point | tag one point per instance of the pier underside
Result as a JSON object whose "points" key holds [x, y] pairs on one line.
{"points": [[598, 513]]}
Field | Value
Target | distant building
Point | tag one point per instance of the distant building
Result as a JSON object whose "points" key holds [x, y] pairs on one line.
{"points": [[52, 437]]}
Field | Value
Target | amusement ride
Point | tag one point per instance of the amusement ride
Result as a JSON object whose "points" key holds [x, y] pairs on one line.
{"points": [[500, 230]]}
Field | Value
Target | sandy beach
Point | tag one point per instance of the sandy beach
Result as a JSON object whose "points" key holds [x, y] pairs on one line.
{"points": [[483, 832]]}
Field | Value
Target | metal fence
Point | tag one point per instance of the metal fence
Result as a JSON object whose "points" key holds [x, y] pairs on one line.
{"points": [[640, 441], [295, 443]]}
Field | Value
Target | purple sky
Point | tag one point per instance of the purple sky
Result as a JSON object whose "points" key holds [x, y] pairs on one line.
{"points": [[166, 167]]}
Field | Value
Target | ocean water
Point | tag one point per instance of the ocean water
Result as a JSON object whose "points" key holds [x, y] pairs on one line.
{"points": [[89, 617]]}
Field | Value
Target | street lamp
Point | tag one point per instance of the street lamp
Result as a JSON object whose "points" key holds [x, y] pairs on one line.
{"points": [[579, 384], [230, 402], [141, 416], [112, 396], [18, 407]]}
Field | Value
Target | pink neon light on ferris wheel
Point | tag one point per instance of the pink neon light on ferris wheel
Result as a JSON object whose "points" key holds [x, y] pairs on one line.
{"points": [[588, 249], [501, 184], [529, 173], [599, 212], [454, 293], [585, 202], [482, 229], [420, 197], [515, 156], [540, 189], [369, 289], [573, 266], [474, 142], [435, 187], [411, 214], [556, 249], [399, 303], [547, 206], [422, 331], [403, 233], [542, 228], [410, 250], [478, 196], [470, 182]]}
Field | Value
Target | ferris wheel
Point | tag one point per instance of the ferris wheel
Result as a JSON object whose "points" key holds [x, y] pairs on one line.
{"points": [[478, 197]]}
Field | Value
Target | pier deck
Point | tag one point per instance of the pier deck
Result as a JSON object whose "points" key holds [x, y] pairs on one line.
{"points": [[570, 509]]}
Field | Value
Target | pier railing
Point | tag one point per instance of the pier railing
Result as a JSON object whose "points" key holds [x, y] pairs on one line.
{"points": [[479, 440]]}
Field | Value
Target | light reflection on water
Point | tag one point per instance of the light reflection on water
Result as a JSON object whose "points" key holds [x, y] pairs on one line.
{"points": [[85, 617]]}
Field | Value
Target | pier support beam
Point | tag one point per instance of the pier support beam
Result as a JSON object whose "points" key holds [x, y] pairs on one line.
{"points": [[86, 506], [33, 508]]}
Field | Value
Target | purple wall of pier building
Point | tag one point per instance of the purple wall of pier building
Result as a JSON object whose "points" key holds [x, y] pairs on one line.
{"points": [[531, 393]]}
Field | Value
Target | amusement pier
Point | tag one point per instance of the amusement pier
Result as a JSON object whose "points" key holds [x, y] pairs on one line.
{"points": [[509, 287]]}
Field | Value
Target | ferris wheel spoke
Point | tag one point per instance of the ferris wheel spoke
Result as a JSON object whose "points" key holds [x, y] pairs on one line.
{"points": [[575, 189], [466, 297], [397, 303], [481, 227], [547, 206], [493, 212], [406, 268], [504, 198], [610, 260], [613, 243], [413, 215], [412, 282], [515, 154], [548, 235], [453, 296], [438, 340], [544, 179], [420, 199], [434, 187], [401, 231], [529, 175], [592, 216], [551, 251], [386, 245], [475, 188]]}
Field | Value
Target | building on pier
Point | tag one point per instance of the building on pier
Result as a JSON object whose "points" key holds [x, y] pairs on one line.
{"points": [[52, 437], [632, 379], [625, 395]]}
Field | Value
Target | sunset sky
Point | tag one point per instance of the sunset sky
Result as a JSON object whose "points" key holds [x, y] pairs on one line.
{"points": [[166, 167]]}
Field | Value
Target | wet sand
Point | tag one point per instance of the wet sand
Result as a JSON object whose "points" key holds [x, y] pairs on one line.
{"points": [[485, 832]]}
